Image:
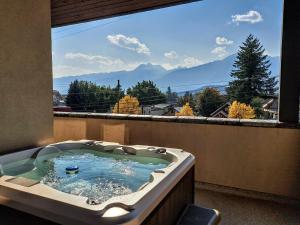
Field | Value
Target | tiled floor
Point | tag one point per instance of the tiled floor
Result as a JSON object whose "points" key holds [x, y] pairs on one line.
{"points": [[237, 210]]}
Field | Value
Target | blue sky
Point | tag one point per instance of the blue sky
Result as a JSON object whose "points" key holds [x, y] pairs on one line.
{"points": [[181, 36]]}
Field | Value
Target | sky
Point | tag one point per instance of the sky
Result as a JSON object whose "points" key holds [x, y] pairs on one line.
{"points": [[181, 36]]}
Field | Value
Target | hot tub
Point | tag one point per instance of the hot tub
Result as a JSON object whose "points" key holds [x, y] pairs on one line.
{"points": [[93, 182]]}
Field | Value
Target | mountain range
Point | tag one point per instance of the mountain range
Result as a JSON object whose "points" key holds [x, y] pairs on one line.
{"points": [[213, 74]]}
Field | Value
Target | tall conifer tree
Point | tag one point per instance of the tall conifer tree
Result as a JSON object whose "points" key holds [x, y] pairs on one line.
{"points": [[251, 73]]}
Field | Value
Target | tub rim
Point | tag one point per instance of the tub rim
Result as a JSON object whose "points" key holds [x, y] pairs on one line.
{"points": [[135, 203]]}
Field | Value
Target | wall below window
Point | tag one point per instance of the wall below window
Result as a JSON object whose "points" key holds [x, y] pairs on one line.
{"points": [[252, 158], [26, 117]]}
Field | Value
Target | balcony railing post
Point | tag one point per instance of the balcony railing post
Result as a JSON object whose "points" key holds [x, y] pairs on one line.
{"points": [[290, 63]]}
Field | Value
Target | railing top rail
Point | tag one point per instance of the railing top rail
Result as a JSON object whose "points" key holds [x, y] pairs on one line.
{"points": [[181, 119]]}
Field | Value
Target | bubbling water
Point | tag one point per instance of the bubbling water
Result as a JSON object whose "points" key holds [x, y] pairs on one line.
{"points": [[101, 175]]}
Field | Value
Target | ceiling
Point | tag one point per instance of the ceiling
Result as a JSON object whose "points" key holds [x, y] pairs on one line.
{"points": [[65, 12]]}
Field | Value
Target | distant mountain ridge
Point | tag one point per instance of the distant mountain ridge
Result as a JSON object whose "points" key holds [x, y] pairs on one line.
{"points": [[216, 73], [220, 88]]}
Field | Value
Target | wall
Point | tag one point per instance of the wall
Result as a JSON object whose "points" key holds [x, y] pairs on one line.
{"points": [[253, 158], [26, 116]]}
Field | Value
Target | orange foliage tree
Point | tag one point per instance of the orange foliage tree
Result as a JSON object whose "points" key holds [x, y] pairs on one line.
{"points": [[186, 110], [128, 105], [241, 111]]}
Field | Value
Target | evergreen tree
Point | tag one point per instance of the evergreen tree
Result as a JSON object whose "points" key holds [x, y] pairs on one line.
{"points": [[171, 96], [208, 100], [88, 97], [257, 105], [81, 96], [187, 98], [270, 86], [251, 73], [147, 93], [73, 98]]}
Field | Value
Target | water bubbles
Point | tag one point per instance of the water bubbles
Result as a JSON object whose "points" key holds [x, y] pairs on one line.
{"points": [[102, 175]]}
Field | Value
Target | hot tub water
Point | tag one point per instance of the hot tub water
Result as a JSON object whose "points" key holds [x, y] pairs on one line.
{"points": [[101, 175]]}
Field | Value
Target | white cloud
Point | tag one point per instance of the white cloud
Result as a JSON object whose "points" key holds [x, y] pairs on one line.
{"points": [[80, 63], [223, 41], [66, 70], [72, 70], [180, 61], [186, 62], [171, 55], [130, 43], [107, 61], [220, 51], [191, 62], [250, 17]]}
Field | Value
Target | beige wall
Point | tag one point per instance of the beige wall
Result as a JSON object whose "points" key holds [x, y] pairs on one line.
{"points": [[259, 159], [25, 73]]}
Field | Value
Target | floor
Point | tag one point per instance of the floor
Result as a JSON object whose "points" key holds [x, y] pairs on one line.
{"points": [[236, 210]]}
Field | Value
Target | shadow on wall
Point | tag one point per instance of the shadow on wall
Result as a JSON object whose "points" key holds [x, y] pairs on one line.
{"points": [[115, 133], [77, 129]]}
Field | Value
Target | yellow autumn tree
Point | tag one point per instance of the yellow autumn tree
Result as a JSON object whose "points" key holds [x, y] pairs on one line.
{"points": [[128, 105], [241, 111], [186, 110]]}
